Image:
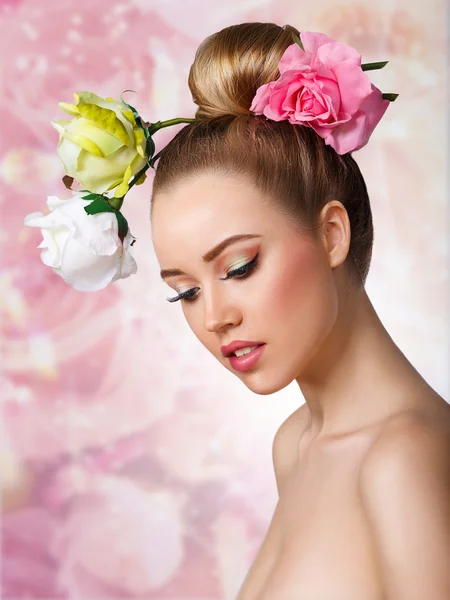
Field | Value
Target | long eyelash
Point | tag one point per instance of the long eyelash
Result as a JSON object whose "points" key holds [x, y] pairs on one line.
{"points": [[244, 271], [239, 273]]}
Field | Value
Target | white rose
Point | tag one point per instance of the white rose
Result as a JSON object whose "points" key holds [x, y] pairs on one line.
{"points": [[85, 250], [102, 147]]}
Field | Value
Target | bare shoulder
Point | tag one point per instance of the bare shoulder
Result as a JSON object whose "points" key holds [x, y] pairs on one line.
{"points": [[284, 447], [405, 492], [411, 450], [409, 440]]}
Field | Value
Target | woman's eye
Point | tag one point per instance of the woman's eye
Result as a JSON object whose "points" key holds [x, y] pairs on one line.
{"points": [[239, 273], [187, 296], [244, 271]]}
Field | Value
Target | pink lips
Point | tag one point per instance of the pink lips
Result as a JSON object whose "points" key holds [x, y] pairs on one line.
{"points": [[236, 345], [248, 361]]}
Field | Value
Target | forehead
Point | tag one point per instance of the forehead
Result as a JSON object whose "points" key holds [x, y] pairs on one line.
{"points": [[200, 212]]}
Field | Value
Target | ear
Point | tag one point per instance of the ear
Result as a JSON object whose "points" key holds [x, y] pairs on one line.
{"points": [[335, 232]]}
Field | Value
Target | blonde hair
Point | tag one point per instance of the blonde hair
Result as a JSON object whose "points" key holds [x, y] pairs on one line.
{"points": [[290, 164]]}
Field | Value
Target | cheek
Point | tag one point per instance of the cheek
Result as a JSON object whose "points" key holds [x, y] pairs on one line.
{"points": [[303, 295]]}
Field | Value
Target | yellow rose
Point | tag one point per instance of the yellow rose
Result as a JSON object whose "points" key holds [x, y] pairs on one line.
{"points": [[102, 147]]}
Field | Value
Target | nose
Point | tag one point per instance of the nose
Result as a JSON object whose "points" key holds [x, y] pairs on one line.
{"points": [[219, 313]]}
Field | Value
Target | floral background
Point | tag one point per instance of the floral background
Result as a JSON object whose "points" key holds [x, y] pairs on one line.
{"points": [[133, 465]]}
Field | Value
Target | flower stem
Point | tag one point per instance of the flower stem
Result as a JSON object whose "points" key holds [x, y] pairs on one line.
{"points": [[151, 129], [160, 124], [116, 203]]}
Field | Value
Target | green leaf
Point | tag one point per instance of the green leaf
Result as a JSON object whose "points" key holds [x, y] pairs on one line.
{"points": [[92, 196], [138, 119], [123, 225], [373, 66], [99, 205], [150, 147], [139, 122], [133, 110], [298, 41], [390, 97]]}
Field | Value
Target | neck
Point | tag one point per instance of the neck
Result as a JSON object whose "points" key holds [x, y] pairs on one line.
{"points": [[359, 375]]}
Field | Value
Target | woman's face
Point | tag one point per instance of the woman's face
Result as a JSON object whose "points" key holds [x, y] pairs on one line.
{"points": [[285, 297]]}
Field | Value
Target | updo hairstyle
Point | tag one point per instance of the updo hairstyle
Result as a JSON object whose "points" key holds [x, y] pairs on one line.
{"points": [[290, 164]]}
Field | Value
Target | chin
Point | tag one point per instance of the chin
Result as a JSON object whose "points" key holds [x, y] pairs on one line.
{"points": [[260, 384], [268, 379]]}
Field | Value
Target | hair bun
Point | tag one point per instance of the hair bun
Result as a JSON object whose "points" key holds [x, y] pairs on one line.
{"points": [[230, 65]]}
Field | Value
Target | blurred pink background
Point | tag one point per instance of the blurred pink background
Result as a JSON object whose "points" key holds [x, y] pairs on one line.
{"points": [[133, 465]]}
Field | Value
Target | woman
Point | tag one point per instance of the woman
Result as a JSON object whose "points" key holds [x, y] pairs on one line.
{"points": [[264, 233]]}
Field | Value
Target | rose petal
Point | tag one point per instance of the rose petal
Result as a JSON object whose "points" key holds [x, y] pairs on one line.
{"points": [[84, 142], [126, 267], [323, 129], [336, 53], [260, 100], [106, 143], [106, 120], [374, 108], [294, 59], [354, 87], [97, 174], [349, 136], [68, 153], [84, 270], [313, 40]]}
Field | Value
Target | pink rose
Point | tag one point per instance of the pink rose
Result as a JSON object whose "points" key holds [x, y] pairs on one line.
{"points": [[324, 87]]}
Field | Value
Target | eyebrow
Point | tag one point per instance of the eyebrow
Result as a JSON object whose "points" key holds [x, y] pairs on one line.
{"points": [[213, 253]]}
